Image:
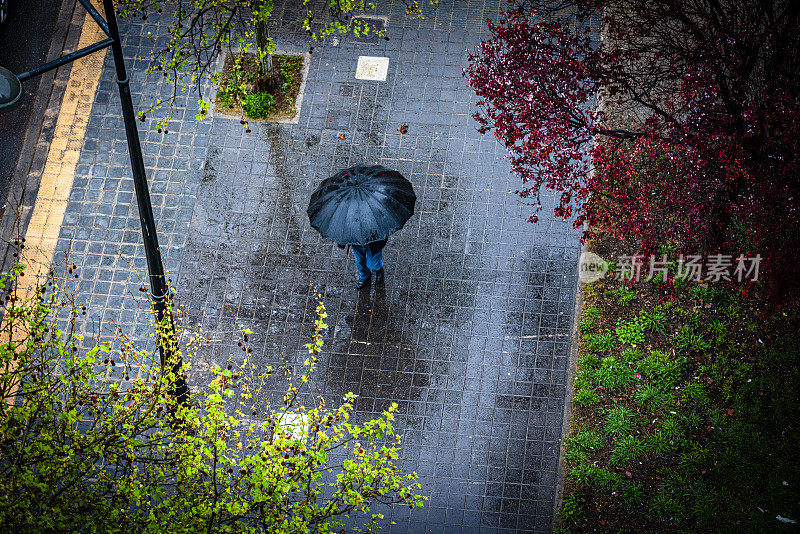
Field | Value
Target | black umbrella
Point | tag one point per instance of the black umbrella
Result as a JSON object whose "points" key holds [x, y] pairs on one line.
{"points": [[361, 204]]}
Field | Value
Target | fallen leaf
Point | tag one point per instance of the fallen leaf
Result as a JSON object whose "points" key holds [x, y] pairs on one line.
{"points": [[404, 128], [341, 136]]}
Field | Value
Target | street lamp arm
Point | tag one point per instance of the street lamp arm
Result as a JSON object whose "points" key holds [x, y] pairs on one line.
{"points": [[63, 60]]}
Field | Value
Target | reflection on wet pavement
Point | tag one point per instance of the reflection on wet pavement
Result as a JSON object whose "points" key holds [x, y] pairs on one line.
{"points": [[470, 335]]}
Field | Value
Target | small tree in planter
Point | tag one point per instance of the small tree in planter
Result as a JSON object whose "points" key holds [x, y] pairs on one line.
{"points": [[202, 29], [88, 445]]}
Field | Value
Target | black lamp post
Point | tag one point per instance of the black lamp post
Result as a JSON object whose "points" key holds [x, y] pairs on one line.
{"points": [[10, 98]]}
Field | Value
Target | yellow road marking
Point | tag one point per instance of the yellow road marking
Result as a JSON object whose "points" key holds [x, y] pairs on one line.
{"points": [[62, 158]]}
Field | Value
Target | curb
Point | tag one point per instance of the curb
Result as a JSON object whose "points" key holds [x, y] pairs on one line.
{"points": [[47, 93], [565, 424]]}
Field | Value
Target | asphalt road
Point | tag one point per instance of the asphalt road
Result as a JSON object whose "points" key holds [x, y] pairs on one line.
{"points": [[24, 42]]}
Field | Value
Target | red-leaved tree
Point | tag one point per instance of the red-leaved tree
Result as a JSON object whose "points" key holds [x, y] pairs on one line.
{"points": [[673, 124]]}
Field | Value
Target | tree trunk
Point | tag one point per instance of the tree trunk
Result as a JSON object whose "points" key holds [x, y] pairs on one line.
{"points": [[267, 78]]}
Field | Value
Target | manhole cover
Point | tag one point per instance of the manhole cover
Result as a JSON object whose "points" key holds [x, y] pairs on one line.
{"points": [[372, 68]]}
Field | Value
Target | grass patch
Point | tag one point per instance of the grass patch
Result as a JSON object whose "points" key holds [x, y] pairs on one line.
{"points": [[686, 416], [626, 451], [586, 397], [619, 421]]}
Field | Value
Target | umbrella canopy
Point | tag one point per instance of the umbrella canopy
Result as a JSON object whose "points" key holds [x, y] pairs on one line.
{"points": [[361, 204]]}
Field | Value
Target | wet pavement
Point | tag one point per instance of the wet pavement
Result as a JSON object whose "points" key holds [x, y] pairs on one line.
{"points": [[470, 335]]}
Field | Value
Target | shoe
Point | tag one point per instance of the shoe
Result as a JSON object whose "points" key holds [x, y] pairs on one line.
{"points": [[379, 277], [364, 282]]}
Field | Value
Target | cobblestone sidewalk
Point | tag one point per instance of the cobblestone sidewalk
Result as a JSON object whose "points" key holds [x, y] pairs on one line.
{"points": [[471, 334]]}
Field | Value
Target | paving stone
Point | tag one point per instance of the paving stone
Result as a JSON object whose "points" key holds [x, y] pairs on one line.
{"points": [[470, 335]]}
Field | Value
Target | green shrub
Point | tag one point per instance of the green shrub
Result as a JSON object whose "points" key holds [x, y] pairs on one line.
{"points": [[258, 105]]}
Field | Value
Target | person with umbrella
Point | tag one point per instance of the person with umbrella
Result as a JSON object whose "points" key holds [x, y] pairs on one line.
{"points": [[361, 207]]}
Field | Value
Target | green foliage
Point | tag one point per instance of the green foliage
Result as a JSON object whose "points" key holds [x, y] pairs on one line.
{"points": [[82, 452], [695, 392], [614, 374], [611, 374], [631, 332], [600, 342], [673, 432], [288, 68], [663, 373], [590, 361], [655, 321], [699, 292], [619, 421], [633, 494], [233, 87], [718, 414], [259, 105], [653, 398], [624, 295], [585, 441], [589, 318], [631, 355], [627, 450], [571, 507], [665, 506], [687, 339], [586, 475], [586, 397], [657, 444]]}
